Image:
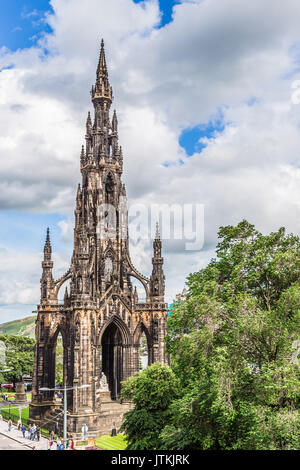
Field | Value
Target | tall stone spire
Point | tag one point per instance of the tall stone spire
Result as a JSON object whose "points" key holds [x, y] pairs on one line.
{"points": [[47, 265], [157, 280], [47, 247], [102, 68], [115, 122], [157, 243], [102, 88], [89, 122]]}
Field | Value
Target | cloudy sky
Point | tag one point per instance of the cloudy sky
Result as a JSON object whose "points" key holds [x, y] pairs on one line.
{"points": [[206, 95]]}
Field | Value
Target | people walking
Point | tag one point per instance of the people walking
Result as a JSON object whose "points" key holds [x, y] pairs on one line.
{"points": [[23, 429], [58, 442], [29, 431], [53, 445], [38, 432], [19, 424], [9, 424], [33, 430]]}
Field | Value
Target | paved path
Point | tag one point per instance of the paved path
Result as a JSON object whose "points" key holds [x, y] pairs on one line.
{"points": [[6, 443], [17, 436]]}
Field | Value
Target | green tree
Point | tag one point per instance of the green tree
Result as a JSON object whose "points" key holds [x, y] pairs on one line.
{"points": [[151, 392], [19, 357], [231, 344], [59, 361]]}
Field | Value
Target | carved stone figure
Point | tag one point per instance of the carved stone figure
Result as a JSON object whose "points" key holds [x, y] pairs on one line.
{"points": [[103, 383]]}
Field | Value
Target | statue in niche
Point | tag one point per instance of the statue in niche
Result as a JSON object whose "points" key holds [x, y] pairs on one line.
{"points": [[45, 291], [155, 329], [93, 332], [77, 332], [108, 269], [103, 383], [79, 284]]}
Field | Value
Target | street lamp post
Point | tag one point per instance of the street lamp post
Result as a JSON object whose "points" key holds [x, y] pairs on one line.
{"points": [[65, 389], [65, 416]]}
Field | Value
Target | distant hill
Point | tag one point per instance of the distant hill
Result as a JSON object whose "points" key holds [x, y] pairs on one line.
{"points": [[22, 327]]}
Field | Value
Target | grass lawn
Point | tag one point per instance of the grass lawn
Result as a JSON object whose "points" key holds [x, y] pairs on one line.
{"points": [[111, 443], [11, 396], [14, 411], [24, 416]]}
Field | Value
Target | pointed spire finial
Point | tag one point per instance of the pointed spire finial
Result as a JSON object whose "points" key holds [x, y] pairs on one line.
{"points": [[47, 247], [115, 122], [66, 296], [89, 120], [102, 69], [82, 154]]}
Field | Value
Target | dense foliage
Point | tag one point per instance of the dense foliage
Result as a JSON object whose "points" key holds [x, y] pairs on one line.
{"points": [[17, 355], [232, 344], [152, 392], [59, 361]]}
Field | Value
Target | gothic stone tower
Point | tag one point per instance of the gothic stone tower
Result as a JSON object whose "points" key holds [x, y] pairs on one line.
{"points": [[101, 320]]}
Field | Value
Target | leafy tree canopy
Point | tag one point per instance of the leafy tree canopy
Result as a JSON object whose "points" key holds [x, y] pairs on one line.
{"points": [[18, 355], [232, 346], [234, 382], [152, 392]]}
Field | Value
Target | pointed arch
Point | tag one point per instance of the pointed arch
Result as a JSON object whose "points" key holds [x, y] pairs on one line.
{"points": [[125, 333], [114, 339], [140, 329], [142, 357], [61, 281], [59, 328], [142, 281], [55, 331], [108, 174]]}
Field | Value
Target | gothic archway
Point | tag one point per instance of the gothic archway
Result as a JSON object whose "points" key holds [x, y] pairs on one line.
{"points": [[57, 366], [142, 340], [113, 342]]}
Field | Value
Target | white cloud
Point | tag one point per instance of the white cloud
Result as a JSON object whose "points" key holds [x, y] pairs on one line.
{"points": [[214, 56]]}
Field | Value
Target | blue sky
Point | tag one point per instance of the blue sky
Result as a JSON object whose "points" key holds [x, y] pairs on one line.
{"points": [[21, 22], [166, 7], [26, 228], [193, 140]]}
